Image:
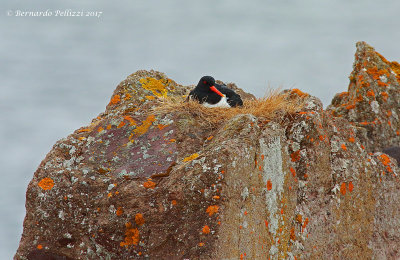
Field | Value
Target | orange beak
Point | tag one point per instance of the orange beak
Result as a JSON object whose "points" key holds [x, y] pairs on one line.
{"points": [[216, 91]]}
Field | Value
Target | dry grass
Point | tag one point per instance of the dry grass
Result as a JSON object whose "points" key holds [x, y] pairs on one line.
{"points": [[274, 106]]}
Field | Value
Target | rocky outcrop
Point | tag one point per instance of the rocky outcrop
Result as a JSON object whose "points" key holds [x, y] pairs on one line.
{"points": [[137, 185], [371, 103]]}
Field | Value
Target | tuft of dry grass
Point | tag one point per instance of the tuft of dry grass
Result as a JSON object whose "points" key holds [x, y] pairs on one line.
{"points": [[273, 106]]}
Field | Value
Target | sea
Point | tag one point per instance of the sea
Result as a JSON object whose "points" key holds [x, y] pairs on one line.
{"points": [[61, 60]]}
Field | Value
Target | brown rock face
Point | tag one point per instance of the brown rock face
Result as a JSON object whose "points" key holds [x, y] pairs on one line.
{"points": [[135, 185]]}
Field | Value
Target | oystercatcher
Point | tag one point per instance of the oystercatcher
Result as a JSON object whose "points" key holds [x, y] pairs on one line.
{"points": [[210, 94]]}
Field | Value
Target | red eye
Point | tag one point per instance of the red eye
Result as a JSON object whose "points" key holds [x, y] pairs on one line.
{"points": [[205, 82]]}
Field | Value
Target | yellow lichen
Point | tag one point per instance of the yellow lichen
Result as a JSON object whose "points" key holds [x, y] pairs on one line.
{"points": [[191, 157], [142, 129], [156, 86]]}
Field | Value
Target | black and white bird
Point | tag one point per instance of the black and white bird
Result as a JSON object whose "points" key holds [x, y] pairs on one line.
{"points": [[210, 94]]}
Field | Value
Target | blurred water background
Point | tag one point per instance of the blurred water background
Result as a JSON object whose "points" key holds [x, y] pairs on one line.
{"points": [[57, 73]]}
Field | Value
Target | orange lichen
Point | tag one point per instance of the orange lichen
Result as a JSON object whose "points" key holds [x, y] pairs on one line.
{"points": [[101, 129], [127, 96], [206, 229], [375, 73], [131, 235], [299, 218], [269, 185], [174, 202], [350, 107], [343, 188], [344, 147], [149, 184], [210, 137], [161, 126], [191, 157], [292, 234], [299, 92], [115, 100], [40, 247], [370, 93], [109, 127], [384, 95], [384, 159], [211, 210], [352, 140], [382, 84], [142, 129], [155, 86], [266, 223], [119, 211], [351, 186], [84, 130], [295, 156], [130, 119], [150, 97], [46, 183], [216, 197], [293, 171], [139, 219], [305, 223], [121, 124], [201, 244]]}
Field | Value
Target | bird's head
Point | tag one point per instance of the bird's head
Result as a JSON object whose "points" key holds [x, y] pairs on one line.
{"points": [[208, 83]]}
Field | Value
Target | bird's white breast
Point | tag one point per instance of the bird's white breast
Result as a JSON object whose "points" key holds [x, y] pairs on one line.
{"points": [[222, 103]]}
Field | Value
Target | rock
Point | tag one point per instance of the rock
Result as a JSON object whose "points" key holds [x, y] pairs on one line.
{"points": [[134, 184], [371, 103]]}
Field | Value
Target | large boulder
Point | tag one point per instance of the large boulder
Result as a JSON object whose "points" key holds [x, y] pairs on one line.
{"points": [[137, 184]]}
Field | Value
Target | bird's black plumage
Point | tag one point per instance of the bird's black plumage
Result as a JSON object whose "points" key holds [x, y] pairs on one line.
{"points": [[205, 93]]}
